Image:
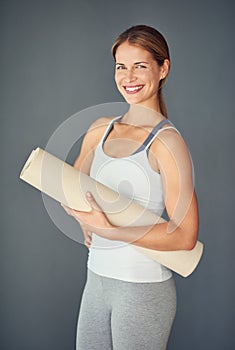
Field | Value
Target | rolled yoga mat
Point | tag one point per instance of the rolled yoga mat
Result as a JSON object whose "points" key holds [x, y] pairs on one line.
{"points": [[67, 185]]}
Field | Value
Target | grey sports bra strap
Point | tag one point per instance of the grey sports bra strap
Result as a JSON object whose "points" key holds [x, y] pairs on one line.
{"points": [[146, 141], [151, 135], [109, 128]]}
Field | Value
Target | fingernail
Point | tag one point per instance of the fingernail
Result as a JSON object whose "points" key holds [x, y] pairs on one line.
{"points": [[88, 194]]}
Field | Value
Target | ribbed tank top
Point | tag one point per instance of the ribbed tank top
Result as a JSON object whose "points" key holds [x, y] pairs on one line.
{"points": [[133, 177]]}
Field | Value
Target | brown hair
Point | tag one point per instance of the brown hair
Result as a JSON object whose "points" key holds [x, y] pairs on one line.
{"points": [[151, 40]]}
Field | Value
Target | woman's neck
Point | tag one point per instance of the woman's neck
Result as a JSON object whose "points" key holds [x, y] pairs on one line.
{"points": [[138, 115]]}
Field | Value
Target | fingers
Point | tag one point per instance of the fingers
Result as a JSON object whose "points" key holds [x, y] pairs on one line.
{"points": [[92, 202], [88, 238], [87, 233], [76, 213], [87, 243]]}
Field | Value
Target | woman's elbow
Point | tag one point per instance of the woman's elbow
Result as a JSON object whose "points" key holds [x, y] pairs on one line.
{"points": [[190, 245], [190, 241]]}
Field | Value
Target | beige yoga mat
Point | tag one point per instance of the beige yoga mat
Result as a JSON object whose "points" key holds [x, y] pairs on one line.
{"points": [[67, 185]]}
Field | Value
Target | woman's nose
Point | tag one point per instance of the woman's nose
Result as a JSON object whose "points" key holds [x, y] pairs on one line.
{"points": [[130, 76]]}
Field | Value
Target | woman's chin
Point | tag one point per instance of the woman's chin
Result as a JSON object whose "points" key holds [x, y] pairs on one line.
{"points": [[131, 99]]}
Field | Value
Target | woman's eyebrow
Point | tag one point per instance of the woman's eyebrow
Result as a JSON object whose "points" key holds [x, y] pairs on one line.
{"points": [[141, 62], [122, 64]]}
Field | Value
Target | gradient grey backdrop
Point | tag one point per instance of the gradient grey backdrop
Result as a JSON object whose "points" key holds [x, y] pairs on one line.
{"points": [[56, 61]]}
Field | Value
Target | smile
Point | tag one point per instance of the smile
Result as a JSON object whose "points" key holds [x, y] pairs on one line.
{"points": [[133, 89]]}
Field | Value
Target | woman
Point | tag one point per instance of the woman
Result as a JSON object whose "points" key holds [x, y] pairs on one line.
{"points": [[129, 301]]}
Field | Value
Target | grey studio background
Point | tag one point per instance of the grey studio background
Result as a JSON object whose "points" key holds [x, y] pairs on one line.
{"points": [[56, 61]]}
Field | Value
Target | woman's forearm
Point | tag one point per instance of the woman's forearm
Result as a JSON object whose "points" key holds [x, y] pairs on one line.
{"points": [[156, 237]]}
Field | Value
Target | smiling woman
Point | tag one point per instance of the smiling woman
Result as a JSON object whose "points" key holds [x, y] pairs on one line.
{"points": [[145, 49], [129, 301], [138, 75]]}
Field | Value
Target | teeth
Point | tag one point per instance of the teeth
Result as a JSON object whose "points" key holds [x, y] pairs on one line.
{"points": [[133, 88]]}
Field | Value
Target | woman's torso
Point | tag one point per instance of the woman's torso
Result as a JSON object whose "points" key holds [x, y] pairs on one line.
{"points": [[133, 177]]}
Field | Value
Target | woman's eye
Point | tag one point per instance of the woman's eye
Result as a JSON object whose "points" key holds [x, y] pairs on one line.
{"points": [[139, 66], [120, 67]]}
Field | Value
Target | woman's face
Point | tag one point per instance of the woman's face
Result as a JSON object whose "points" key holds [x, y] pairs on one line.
{"points": [[137, 75]]}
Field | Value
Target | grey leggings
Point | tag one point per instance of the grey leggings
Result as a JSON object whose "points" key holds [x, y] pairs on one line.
{"points": [[119, 315]]}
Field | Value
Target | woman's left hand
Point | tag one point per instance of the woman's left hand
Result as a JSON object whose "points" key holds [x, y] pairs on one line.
{"points": [[95, 220]]}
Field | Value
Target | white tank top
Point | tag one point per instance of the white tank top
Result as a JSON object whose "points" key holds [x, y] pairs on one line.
{"points": [[133, 177]]}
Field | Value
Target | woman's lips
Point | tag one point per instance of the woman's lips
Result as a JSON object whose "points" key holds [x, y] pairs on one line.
{"points": [[133, 89]]}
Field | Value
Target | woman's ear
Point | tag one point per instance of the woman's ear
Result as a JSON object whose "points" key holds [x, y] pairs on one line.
{"points": [[165, 68]]}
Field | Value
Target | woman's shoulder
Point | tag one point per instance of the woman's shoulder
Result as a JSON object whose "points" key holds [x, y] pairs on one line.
{"points": [[101, 122], [169, 137], [90, 141], [172, 152], [97, 129]]}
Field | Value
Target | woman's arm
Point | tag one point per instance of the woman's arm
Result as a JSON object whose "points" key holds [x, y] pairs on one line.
{"points": [[176, 171], [89, 143]]}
